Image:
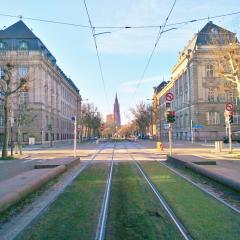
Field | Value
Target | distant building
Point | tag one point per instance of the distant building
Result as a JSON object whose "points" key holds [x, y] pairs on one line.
{"points": [[116, 112], [200, 92], [109, 119], [52, 96]]}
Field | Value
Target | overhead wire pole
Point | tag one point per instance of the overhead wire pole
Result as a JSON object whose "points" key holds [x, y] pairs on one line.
{"points": [[96, 47], [161, 30]]}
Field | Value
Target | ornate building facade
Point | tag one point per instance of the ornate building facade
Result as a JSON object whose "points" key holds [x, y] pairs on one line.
{"points": [[51, 96], [200, 92]]}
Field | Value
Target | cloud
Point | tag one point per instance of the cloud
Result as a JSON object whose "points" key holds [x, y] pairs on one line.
{"points": [[153, 12], [131, 86]]}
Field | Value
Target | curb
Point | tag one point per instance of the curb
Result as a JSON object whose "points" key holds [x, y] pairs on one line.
{"points": [[217, 177], [13, 197]]}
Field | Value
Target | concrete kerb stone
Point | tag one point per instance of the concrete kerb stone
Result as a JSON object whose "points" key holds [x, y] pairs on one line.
{"points": [[217, 177], [13, 197], [18, 194]]}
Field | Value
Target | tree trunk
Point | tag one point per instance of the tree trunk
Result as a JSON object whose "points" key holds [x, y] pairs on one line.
{"points": [[6, 129], [19, 140]]}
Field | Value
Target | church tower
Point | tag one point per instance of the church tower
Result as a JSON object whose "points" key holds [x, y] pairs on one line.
{"points": [[116, 112]]}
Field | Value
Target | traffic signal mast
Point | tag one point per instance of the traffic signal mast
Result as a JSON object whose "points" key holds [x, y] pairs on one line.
{"points": [[229, 120], [170, 116]]}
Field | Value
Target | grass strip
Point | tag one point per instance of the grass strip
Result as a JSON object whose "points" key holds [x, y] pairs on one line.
{"points": [[74, 215], [203, 216], [134, 211]]}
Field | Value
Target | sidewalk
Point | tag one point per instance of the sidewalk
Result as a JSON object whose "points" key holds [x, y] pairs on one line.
{"points": [[224, 171], [18, 186], [202, 158]]}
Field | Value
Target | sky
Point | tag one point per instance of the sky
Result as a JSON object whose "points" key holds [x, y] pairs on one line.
{"points": [[123, 52]]}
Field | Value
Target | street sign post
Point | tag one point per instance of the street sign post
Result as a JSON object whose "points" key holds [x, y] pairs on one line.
{"points": [[169, 97], [74, 118], [228, 120], [229, 107]]}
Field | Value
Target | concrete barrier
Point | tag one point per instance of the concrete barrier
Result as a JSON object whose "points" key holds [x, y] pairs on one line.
{"points": [[198, 169], [19, 187]]}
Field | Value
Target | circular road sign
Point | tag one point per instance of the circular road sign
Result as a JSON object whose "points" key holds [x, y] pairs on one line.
{"points": [[169, 97], [229, 106]]}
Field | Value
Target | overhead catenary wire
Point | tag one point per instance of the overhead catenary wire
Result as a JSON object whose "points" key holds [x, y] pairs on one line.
{"points": [[161, 31], [119, 27], [97, 52]]}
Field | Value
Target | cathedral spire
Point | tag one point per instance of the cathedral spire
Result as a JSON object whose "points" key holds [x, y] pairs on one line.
{"points": [[116, 112]]}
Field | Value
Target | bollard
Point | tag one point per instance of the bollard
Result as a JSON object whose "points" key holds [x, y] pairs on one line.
{"points": [[159, 146]]}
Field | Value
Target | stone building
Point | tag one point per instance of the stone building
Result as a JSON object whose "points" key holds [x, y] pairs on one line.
{"points": [[52, 97], [200, 92]]}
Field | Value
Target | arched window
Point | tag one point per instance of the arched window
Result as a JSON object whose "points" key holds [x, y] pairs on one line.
{"points": [[23, 45], [209, 70]]}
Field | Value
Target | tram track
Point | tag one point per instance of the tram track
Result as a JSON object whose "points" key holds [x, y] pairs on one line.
{"points": [[100, 233], [182, 229], [197, 185], [11, 229]]}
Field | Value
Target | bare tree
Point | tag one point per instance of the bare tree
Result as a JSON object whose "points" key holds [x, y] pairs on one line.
{"points": [[226, 48], [7, 89], [24, 117], [90, 121], [142, 117]]}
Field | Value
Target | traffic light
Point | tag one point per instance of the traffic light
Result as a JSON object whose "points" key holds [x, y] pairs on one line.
{"points": [[231, 118], [170, 116]]}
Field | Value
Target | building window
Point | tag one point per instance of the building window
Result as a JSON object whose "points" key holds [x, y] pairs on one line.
{"points": [[213, 118], [211, 94], [23, 71], [1, 121], [1, 72], [231, 97], [23, 45], [236, 118], [209, 70], [24, 97], [2, 46]]}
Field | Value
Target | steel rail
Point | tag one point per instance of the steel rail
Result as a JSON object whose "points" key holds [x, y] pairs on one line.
{"points": [[16, 225], [101, 229], [186, 235], [199, 186]]}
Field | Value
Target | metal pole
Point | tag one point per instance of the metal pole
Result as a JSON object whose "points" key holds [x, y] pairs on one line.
{"points": [[192, 137], [170, 138], [75, 136], [11, 131], [226, 130], [230, 137]]}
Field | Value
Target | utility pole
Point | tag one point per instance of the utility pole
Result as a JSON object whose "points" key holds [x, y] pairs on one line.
{"points": [[192, 136]]}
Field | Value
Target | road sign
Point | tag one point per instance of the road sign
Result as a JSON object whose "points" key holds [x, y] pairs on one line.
{"points": [[229, 106], [169, 97], [166, 125], [198, 126]]}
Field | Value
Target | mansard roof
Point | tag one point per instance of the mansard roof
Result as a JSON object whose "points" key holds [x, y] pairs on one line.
{"points": [[214, 34], [19, 32], [160, 87]]}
